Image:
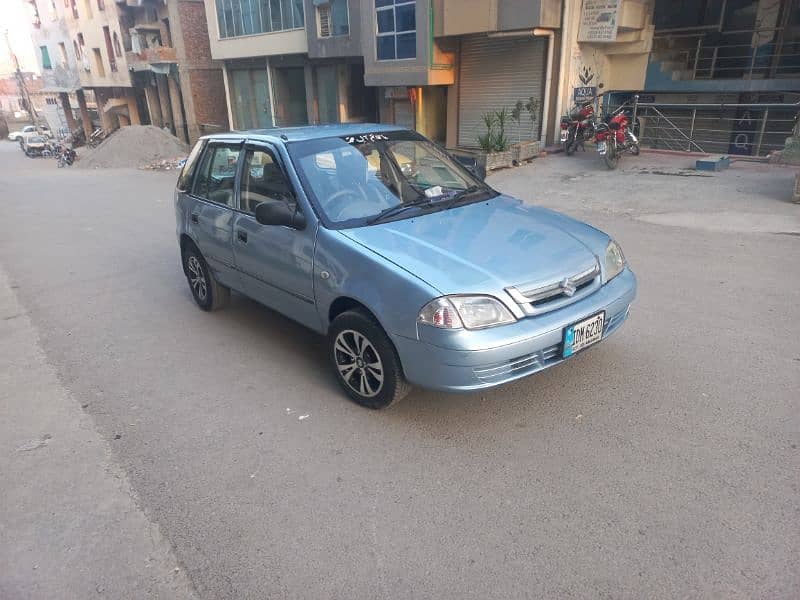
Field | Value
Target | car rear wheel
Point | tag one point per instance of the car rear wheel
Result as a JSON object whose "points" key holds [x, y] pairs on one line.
{"points": [[365, 361], [208, 293]]}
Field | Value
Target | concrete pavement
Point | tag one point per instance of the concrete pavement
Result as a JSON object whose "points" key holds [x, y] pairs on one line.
{"points": [[663, 463]]}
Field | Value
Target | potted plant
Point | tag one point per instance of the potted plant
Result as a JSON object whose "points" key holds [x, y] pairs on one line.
{"points": [[528, 148], [495, 152]]}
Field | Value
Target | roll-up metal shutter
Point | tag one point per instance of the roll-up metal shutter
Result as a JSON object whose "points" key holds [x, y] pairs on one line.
{"points": [[495, 73]]}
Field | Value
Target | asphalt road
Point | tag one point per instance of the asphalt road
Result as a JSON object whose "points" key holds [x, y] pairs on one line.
{"points": [[662, 464]]}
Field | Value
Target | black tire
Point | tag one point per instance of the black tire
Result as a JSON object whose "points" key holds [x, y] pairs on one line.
{"points": [[570, 145], [207, 292], [375, 354], [611, 156], [634, 149]]}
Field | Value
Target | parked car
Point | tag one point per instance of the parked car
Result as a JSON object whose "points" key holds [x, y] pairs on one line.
{"points": [[34, 144], [17, 136], [416, 270]]}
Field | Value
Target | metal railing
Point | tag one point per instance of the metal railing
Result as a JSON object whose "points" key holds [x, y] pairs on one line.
{"points": [[762, 58], [748, 129]]}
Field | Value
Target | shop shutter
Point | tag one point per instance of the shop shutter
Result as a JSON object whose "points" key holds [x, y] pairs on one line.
{"points": [[495, 73]]}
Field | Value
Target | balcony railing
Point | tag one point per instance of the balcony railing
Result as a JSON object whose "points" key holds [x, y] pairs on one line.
{"points": [[161, 54], [729, 55]]}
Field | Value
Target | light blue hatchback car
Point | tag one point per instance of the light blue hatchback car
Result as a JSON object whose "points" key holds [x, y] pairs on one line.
{"points": [[415, 269]]}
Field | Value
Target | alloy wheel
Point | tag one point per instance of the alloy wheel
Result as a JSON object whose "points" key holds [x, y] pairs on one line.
{"points": [[197, 278], [358, 363]]}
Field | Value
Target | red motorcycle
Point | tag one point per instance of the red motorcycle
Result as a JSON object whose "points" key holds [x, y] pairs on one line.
{"points": [[577, 127], [614, 138]]}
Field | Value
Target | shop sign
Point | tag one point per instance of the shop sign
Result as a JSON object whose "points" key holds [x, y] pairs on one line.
{"points": [[599, 21], [584, 93]]}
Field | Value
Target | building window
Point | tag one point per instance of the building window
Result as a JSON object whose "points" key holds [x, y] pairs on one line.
{"points": [[62, 54], [332, 18], [110, 49], [117, 47], [249, 17], [98, 62], [397, 29], [101, 5], [73, 5], [45, 58]]}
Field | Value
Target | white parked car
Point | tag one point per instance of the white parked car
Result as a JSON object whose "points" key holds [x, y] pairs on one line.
{"points": [[16, 136]]}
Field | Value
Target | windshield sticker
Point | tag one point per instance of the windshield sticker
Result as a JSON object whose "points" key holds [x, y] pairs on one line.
{"points": [[362, 139]]}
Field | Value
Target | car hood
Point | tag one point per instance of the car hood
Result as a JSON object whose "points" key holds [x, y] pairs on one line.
{"points": [[484, 246]]}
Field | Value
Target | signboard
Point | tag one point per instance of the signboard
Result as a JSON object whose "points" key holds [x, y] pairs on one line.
{"points": [[584, 93], [599, 21]]}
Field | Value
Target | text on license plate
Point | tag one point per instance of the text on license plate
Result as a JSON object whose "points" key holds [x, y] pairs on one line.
{"points": [[601, 147], [583, 333], [564, 134]]}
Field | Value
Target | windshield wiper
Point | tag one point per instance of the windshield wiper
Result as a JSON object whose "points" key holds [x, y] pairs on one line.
{"points": [[463, 194], [396, 210]]}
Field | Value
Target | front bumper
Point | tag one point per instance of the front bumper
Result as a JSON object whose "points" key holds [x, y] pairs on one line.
{"points": [[514, 351]]}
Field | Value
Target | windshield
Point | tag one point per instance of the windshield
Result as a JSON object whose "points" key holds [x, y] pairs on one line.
{"points": [[357, 180]]}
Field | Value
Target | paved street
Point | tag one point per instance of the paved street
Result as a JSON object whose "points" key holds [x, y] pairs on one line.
{"points": [[149, 449]]}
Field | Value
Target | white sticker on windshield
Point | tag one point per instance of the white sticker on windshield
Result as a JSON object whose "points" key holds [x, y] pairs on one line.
{"points": [[367, 137]]}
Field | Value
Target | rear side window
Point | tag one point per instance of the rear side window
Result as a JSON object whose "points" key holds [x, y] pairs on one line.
{"points": [[216, 174], [185, 179]]}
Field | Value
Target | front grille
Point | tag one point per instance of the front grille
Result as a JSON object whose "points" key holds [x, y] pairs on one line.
{"points": [[543, 297], [521, 365]]}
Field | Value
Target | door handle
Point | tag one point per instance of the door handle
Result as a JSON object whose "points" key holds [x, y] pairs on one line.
{"points": [[241, 235], [194, 218]]}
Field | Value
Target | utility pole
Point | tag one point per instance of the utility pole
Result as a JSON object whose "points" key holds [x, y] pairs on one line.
{"points": [[21, 86]]}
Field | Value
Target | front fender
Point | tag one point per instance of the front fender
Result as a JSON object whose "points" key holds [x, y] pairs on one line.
{"points": [[345, 268]]}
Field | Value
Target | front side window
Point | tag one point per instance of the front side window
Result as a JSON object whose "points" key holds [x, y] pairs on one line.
{"points": [[396, 29], [216, 174], [359, 180], [185, 178], [237, 18], [263, 180]]}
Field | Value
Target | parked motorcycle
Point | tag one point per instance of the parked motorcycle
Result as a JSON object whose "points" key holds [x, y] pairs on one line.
{"points": [[615, 137], [65, 157], [577, 127]]}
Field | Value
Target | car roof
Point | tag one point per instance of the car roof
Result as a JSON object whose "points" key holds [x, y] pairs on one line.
{"points": [[308, 132]]}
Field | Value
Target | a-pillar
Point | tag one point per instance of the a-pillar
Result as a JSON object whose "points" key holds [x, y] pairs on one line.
{"points": [[153, 105], [64, 97], [85, 119], [177, 111], [163, 96]]}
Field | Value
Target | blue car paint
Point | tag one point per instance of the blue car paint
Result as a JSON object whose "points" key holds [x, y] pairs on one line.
{"points": [[395, 268]]}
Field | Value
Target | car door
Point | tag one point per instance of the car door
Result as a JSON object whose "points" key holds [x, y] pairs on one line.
{"points": [[211, 208], [275, 262]]}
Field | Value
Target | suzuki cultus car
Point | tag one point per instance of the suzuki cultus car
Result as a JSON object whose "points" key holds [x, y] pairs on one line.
{"points": [[418, 272]]}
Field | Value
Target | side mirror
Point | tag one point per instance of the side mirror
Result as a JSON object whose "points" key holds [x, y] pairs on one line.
{"points": [[278, 212]]}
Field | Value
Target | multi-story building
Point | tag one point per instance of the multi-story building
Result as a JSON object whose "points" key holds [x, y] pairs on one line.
{"points": [[434, 65], [145, 61]]}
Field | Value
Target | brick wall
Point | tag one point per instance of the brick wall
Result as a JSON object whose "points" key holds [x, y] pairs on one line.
{"points": [[196, 49], [207, 89], [202, 83]]}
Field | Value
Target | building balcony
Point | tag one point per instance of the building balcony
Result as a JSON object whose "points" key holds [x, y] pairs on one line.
{"points": [[146, 57], [461, 17]]}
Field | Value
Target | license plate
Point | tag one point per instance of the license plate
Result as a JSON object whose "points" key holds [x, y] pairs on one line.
{"points": [[583, 333], [601, 147], [564, 134]]}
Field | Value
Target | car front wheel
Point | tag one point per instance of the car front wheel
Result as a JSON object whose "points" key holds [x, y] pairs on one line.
{"points": [[365, 361]]}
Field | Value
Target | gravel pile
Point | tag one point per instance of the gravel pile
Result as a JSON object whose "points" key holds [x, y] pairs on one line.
{"points": [[135, 146]]}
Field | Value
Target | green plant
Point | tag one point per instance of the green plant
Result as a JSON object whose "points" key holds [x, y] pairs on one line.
{"points": [[532, 108], [516, 116], [487, 140], [501, 141]]}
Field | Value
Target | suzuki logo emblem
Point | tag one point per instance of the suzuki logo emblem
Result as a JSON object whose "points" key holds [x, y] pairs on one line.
{"points": [[568, 288]]}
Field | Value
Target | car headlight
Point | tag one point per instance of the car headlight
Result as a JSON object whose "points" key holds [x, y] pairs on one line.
{"points": [[614, 261], [470, 312]]}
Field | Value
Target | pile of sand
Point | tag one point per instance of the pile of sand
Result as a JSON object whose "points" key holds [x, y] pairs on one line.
{"points": [[134, 146]]}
